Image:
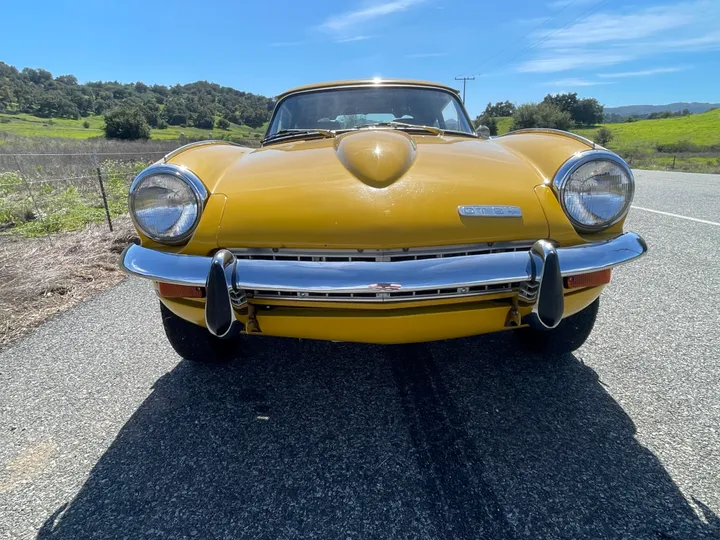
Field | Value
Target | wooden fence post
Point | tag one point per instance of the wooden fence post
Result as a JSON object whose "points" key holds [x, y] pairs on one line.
{"points": [[673, 165], [102, 190], [27, 185]]}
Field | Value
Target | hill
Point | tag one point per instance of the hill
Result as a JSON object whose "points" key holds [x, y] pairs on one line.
{"points": [[694, 108], [32, 94], [26, 125], [698, 129]]}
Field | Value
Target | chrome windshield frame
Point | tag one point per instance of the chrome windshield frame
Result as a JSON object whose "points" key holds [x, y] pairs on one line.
{"points": [[453, 95]]}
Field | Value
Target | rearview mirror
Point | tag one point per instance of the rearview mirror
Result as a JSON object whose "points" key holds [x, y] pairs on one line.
{"points": [[482, 132]]}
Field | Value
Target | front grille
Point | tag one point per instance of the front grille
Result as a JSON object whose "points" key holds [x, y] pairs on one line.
{"points": [[384, 256], [378, 255], [385, 296]]}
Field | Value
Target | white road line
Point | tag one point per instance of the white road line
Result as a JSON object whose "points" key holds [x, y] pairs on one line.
{"points": [[678, 216]]}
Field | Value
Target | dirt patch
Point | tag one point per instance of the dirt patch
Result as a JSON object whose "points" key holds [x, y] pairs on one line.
{"points": [[43, 276]]}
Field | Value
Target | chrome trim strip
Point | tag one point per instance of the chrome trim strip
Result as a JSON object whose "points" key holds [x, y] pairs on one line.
{"points": [[184, 174], [568, 134], [365, 277], [378, 255], [188, 146], [578, 160]]}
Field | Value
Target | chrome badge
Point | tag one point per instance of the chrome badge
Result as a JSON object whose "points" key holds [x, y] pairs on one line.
{"points": [[489, 211]]}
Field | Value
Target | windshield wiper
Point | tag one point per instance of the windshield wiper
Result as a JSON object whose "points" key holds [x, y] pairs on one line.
{"points": [[295, 133], [430, 129]]}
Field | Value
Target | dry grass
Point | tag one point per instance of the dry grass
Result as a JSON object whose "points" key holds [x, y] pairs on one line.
{"points": [[43, 276]]}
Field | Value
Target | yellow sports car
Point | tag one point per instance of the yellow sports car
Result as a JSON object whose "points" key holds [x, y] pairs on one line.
{"points": [[374, 213]]}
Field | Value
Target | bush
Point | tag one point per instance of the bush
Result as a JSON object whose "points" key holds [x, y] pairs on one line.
{"points": [[539, 115], [129, 124], [678, 147], [204, 122], [162, 124], [86, 124], [603, 136], [223, 124]]}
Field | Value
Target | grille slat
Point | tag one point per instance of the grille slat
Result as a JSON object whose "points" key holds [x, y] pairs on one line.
{"points": [[385, 296], [388, 256], [378, 255]]}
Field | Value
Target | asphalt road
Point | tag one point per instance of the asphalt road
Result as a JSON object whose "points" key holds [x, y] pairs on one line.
{"points": [[105, 433]]}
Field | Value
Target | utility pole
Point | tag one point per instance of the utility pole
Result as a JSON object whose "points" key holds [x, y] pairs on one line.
{"points": [[465, 80]]}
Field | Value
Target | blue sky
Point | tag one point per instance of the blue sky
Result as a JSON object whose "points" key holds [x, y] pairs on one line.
{"points": [[622, 52]]}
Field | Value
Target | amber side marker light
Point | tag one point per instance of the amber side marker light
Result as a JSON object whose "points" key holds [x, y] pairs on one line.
{"points": [[593, 279], [168, 290]]}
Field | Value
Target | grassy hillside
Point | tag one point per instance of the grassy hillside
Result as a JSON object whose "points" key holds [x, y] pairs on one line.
{"points": [[653, 144], [701, 129], [26, 125], [504, 123]]}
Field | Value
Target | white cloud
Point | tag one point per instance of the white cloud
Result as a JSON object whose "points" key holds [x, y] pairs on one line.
{"points": [[641, 73], [567, 60], [351, 39], [605, 39], [613, 28], [344, 21], [575, 82]]}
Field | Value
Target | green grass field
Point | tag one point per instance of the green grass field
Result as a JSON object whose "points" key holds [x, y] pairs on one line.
{"points": [[638, 142], [700, 129], [26, 125]]}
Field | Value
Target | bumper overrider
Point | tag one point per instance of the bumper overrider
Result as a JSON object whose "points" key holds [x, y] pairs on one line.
{"points": [[226, 278]]}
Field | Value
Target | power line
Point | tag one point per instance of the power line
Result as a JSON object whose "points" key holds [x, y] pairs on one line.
{"points": [[542, 40], [572, 23], [518, 40]]}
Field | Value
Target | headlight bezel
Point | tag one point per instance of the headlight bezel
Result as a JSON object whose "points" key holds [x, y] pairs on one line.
{"points": [[562, 177], [186, 176]]}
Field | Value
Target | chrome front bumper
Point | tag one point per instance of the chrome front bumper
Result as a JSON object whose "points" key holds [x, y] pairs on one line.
{"points": [[226, 278]]}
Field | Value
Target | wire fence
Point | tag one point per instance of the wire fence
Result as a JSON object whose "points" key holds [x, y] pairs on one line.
{"points": [[59, 186]]}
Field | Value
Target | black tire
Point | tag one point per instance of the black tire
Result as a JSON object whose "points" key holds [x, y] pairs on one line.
{"points": [[565, 338], [194, 342]]}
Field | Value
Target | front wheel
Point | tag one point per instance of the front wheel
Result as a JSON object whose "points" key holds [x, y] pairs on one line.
{"points": [[565, 338], [194, 342]]}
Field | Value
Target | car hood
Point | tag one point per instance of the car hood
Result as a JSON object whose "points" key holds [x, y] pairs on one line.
{"points": [[377, 189]]}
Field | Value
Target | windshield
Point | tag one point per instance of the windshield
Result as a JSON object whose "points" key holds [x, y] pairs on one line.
{"points": [[349, 108]]}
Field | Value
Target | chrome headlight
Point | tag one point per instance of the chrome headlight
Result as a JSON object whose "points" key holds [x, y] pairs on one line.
{"points": [[595, 189], [166, 202]]}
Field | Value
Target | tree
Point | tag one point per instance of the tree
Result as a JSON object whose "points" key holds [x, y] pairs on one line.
{"points": [[501, 108], [127, 124], [36, 92], [204, 119], [536, 115], [223, 124], [564, 102], [588, 112], [603, 136]]}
